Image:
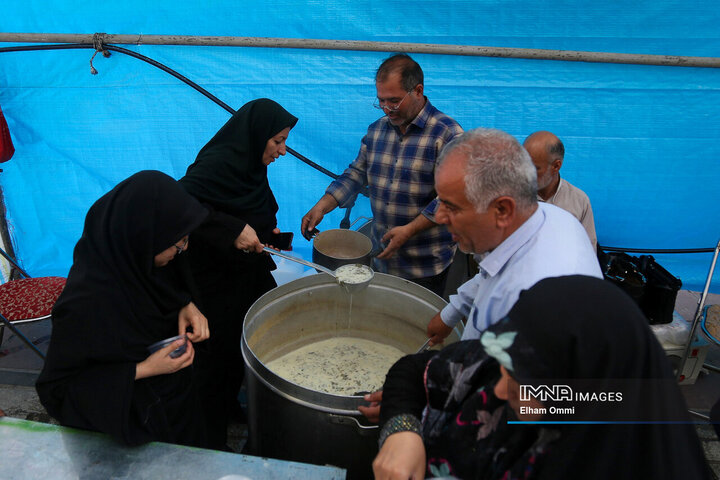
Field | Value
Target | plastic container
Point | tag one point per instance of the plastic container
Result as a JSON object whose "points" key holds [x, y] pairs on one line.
{"points": [[674, 333], [164, 343]]}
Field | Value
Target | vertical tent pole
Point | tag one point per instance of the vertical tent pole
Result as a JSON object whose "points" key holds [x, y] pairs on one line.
{"points": [[698, 313]]}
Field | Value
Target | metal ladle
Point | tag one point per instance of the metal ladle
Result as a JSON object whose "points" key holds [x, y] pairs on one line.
{"points": [[424, 347], [349, 287]]}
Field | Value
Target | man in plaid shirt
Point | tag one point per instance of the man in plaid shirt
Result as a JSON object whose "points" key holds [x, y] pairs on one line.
{"points": [[397, 162]]}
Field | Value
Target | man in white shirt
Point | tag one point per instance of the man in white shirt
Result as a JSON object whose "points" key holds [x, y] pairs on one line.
{"points": [[547, 153], [487, 192], [487, 189]]}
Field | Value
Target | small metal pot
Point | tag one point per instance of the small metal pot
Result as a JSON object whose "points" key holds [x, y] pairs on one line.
{"points": [[340, 246]]}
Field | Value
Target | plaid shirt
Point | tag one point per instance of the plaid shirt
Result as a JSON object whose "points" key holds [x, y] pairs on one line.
{"points": [[400, 173]]}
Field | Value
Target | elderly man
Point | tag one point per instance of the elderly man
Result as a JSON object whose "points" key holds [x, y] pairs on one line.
{"points": [[397, 161], [487, 187], [547, 153]]}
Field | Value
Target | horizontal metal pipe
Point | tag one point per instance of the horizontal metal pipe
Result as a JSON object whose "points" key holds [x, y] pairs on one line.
{"points": [[658, 250], [466, 50], [711, 367]]}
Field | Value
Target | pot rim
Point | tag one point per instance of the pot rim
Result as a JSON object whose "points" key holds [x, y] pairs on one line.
{"points": [[354, 235], [317, 400]]}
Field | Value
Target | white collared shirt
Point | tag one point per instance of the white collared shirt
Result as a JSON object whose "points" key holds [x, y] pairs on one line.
{"points": [[551, 243]]}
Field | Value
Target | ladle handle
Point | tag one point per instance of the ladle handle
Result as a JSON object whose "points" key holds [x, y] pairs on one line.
{"points": [[300, 260], [424, 346]]}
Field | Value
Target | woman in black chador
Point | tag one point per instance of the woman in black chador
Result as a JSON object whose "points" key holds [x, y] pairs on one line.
{"points": [[124, 293], [229, 176], [620, 415]]}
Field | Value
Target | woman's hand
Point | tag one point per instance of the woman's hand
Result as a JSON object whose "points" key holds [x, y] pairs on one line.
{"points": [[248, 241], [276, 231], [160, 362], [402, 456], [190, 316]]}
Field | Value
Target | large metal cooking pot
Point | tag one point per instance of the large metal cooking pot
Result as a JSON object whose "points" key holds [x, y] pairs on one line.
{"points": [[341, 246], [291, 422]]}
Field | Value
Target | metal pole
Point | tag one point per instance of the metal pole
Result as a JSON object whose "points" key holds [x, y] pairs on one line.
{"points": [[658, 250], [698, 313], [699, 415], [368, 46], [7, 323], [12, 261]]}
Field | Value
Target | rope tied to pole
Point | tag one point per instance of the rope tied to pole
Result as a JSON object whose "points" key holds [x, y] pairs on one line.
{"points": [[98, 41]]}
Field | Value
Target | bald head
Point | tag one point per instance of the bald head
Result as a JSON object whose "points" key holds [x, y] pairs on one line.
{"points": [[547, 152], [545, 146]]}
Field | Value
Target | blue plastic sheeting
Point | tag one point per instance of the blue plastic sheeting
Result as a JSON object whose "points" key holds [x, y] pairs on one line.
{"points": [[642, 141]]}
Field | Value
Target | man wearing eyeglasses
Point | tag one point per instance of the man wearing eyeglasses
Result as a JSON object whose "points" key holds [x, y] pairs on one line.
{"points": [[397, 162]]}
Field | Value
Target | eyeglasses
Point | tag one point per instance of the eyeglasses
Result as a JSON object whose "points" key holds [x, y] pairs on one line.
{"points": [[389, 106], [181, 248]]}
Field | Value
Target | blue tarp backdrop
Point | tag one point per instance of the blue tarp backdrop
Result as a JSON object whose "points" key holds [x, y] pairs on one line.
{"points": [[642, 141]]}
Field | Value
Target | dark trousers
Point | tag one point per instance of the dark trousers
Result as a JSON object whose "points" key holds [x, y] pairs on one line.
{"points": [[436, 283]]}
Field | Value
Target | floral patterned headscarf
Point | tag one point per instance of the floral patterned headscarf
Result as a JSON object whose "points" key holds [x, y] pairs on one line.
{"points": [[586, 333]]}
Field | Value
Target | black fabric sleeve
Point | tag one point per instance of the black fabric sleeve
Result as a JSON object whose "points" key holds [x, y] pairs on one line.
{"points": [[219, 230], [212, 246], [404, 390]]}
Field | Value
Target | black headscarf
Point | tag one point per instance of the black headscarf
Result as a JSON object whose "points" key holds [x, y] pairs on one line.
{"points": [[228, 173], [115, 304], [588, 334], [124, 230]]}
